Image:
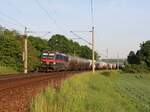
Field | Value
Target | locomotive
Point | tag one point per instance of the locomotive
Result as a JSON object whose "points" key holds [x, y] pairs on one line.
{"points": [[56, 61]]}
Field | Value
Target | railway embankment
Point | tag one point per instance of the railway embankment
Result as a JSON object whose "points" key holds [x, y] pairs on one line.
{"points": [[17, 91], [100, 92]]}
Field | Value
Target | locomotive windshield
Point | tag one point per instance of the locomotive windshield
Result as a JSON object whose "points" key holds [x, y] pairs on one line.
{"points": [[48, 55], [51, 56]]}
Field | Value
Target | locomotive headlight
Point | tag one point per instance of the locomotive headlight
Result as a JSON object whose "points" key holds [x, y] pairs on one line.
{"points": [[54, 63]]}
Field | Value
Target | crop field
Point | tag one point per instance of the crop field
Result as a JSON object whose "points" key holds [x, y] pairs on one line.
{"points": [[100, 92]]}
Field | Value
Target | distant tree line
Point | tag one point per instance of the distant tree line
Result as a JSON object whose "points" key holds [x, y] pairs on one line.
{"points": [[62, 44], [11, 46], [139, 61]]}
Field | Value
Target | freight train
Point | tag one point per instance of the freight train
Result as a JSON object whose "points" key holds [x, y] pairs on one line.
{"points": [[55, 61], [108, 66]]}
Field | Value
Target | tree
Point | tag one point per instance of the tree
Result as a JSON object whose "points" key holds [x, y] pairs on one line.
{"points": [[144, 53], [59, 43], [38, 43], [86, 52], [10, 51], [62, 44], [132, 58], [139, 62]]}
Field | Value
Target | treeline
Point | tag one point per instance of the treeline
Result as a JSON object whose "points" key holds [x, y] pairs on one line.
{"points": [[139, 62], [11, 46]]}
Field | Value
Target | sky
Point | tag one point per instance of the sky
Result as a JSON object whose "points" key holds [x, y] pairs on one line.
{"points": [[120, 25]]}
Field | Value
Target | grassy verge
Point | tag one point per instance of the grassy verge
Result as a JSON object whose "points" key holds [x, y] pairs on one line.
{"points": [[7, 70], [101, 92]]}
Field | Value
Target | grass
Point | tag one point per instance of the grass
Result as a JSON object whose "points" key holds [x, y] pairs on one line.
{"points": [[101, 92], [7, 70]]}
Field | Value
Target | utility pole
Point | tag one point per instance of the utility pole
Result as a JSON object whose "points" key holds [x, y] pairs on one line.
{"points": [[93, 55], [92, 44], [118, 61], [25, 50], [93, 39], [107, 59]]}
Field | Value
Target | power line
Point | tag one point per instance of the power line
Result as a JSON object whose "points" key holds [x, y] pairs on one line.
{"points": [[13, 6], [79, 37], [48, 15], [46, 12], [45, 33], [10, 22], [12, 19], [15, 22]]}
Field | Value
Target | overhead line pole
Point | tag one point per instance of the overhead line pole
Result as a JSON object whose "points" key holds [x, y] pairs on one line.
{"points": [[93, 38], [118, 61], [25, 52], [93, 55], [92, 44]]}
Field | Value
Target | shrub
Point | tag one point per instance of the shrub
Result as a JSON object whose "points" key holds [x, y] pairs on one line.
{"points": [[134, 68]]}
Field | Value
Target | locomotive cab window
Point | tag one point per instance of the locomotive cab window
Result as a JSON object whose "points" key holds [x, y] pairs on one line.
{"points": [[51, 56], [58, 57], [62, 57], [44, 55]]}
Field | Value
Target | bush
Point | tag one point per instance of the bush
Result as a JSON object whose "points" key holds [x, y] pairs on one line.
{"points": [[11, 46], [10, 52], [134, 68]]}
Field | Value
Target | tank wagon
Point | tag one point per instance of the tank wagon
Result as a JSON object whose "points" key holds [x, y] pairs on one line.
{"points": [[55, 61], [101, 65], [104, 65]]}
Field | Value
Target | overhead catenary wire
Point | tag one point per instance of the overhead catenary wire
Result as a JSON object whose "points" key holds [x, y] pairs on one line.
{"points": [[49, 16], [46, 12], [10, 3], [45, 33], [8, 21], [79, 37], [12, 19]]}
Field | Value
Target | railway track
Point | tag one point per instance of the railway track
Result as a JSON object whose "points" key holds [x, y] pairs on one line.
{"points": [[17, 91]]}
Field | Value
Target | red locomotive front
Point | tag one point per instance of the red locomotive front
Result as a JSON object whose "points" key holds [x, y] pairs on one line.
{"points": [[53, 61]]}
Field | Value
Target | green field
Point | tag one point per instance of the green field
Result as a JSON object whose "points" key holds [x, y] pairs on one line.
{"points": [[7, 70], [99, 92]]}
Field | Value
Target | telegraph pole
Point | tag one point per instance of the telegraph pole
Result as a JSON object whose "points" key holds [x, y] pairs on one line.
{"points": [[93, 55], [92, 44], [118, 61], [25, 50], [93, 38], [107, 59]]}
